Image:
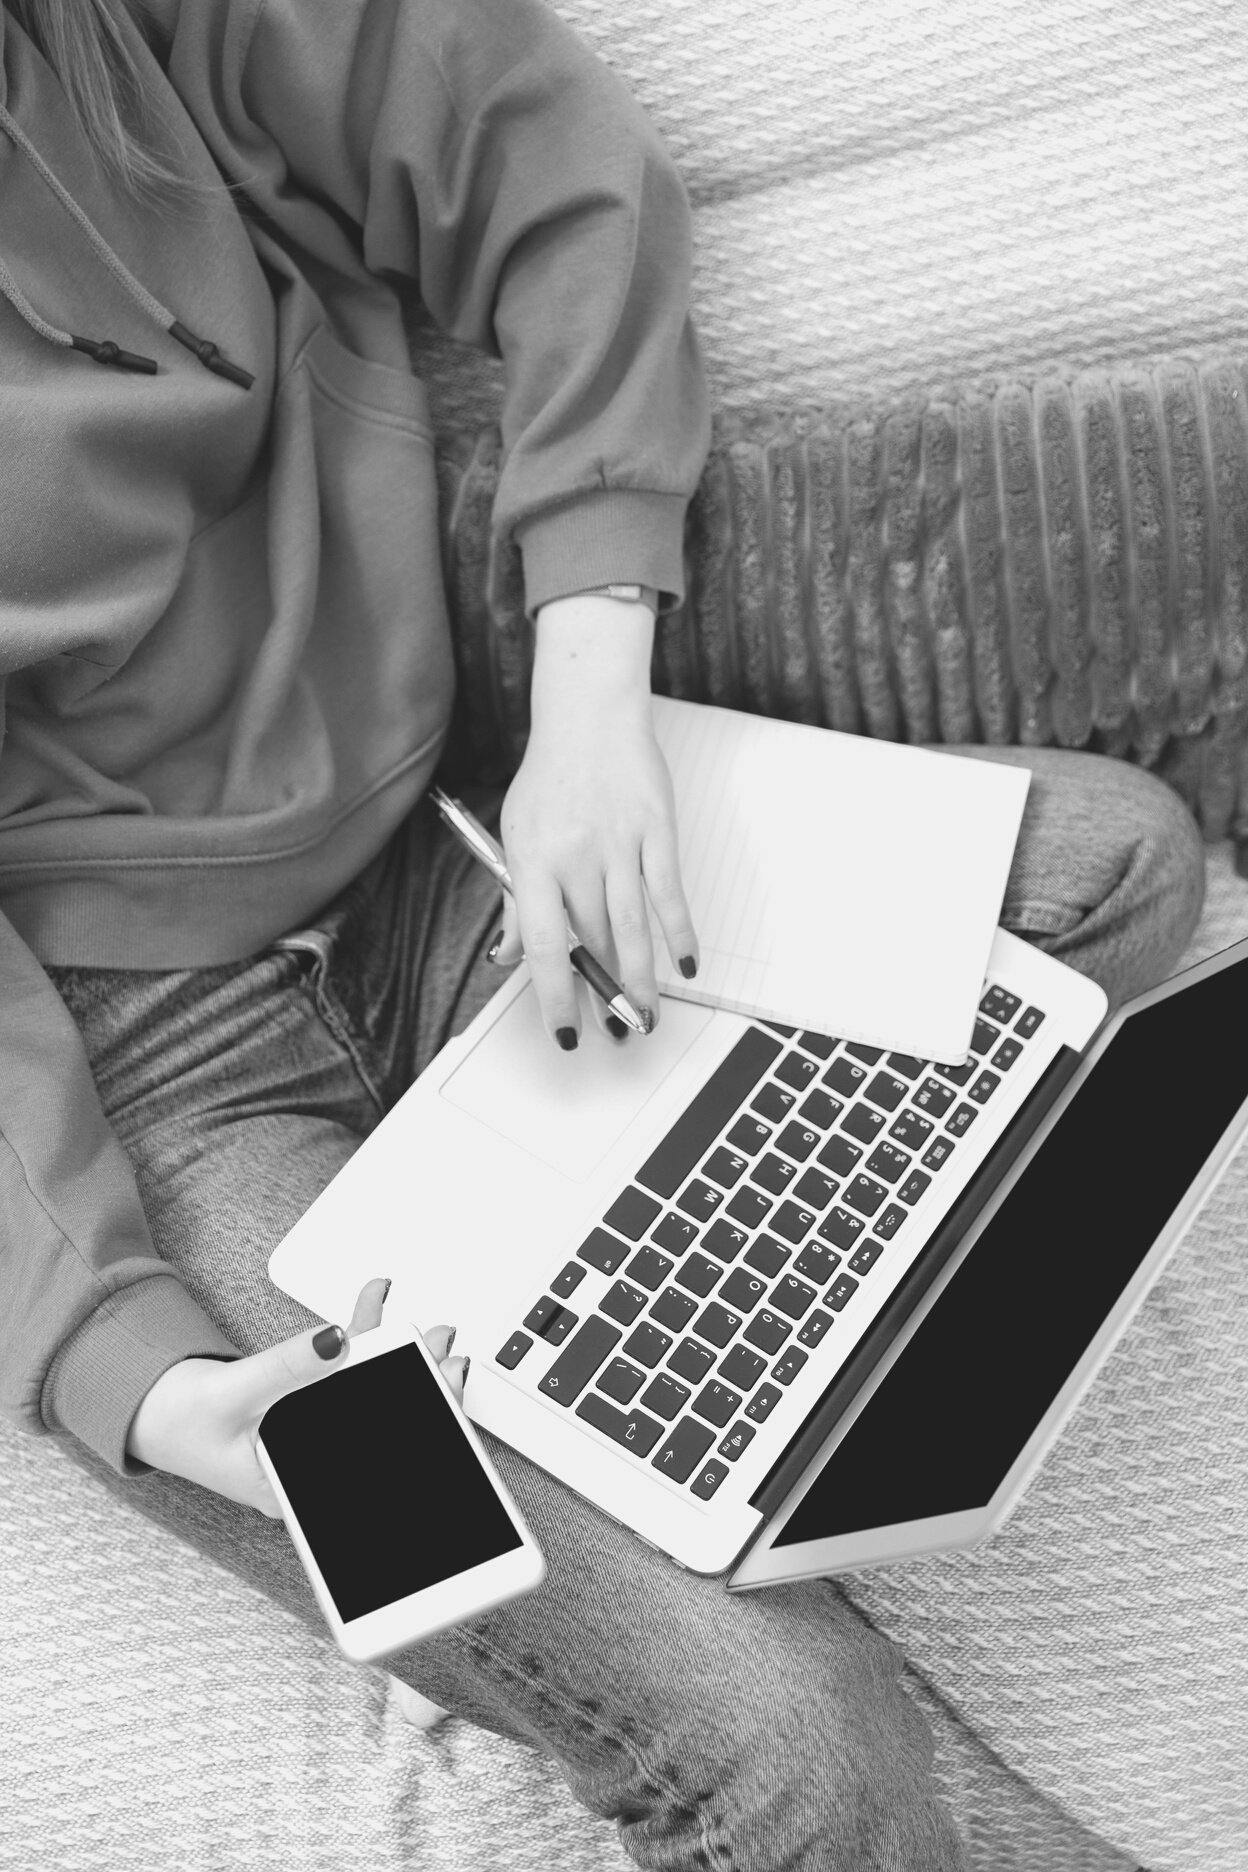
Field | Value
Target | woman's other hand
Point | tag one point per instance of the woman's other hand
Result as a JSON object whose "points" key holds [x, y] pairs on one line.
{"points": [[201, 1417], [589, 823]]}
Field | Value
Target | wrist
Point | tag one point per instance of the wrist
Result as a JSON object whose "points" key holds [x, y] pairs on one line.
{"points": [[590, 649]]}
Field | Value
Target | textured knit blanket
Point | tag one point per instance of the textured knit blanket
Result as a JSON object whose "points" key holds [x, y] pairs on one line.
{"points": [[1062, 560]]}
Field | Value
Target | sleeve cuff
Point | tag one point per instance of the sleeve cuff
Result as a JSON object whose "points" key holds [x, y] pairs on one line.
{"points": [[616, 537], [104, 1370]]}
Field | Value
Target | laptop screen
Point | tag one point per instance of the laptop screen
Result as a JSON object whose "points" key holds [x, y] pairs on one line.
{"points": [[947, 1423]]}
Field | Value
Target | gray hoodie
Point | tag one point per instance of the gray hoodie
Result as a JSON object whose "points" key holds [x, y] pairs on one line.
{"points": [[225, 668]]}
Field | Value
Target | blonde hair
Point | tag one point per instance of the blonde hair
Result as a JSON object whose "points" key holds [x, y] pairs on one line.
{"points": [[86, 49]]}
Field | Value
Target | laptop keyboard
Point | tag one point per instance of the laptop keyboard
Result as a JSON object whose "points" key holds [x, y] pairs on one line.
{"points": [[749, 1230]]}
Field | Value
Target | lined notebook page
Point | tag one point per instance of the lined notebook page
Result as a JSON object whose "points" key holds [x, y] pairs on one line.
{"points": [[836, 882]]}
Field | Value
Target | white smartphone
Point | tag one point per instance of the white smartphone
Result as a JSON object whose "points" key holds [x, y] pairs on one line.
{"points": [[399, 1517]]}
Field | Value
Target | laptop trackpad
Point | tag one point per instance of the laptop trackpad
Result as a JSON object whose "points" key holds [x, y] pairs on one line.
{"points": [[567, 1109]]}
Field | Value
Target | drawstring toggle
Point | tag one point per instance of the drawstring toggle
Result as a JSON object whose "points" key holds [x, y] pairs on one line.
{"points": [[210, 357], [104, 351]]}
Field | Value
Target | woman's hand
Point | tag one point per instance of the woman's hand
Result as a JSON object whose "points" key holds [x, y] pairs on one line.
{"points": [[200, 1418], [589, 823]]}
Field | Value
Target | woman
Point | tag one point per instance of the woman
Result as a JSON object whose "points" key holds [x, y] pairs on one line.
{"points": [[232, 929]]}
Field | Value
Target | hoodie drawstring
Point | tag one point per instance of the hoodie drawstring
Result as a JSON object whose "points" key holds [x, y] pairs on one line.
{"points": [[104, 351]]}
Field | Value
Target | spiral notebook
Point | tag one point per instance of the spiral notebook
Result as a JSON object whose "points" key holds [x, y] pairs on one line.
{"points": [[848, 884]]}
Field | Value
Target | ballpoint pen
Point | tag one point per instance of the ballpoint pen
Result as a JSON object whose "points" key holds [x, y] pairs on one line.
{"points": [[489, 852]]}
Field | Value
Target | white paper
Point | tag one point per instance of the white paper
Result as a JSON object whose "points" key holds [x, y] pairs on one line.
{"points": [[838, 883]]}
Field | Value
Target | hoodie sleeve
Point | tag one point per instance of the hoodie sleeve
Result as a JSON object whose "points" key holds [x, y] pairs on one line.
{"points": [[478, 149], [91, 1315]]}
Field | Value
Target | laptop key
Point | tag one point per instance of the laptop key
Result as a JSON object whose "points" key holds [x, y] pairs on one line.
{"points": [[717, 1404], [785, 1370], [674, 1232], [906, 1065], [623, 1303], [567, 1280], [938, 1153], [714, 1106], [1006, 1054], [514, 1351], [796, 1141], [793, 1222], [1000, 1005], [841, 1228], [817, 1263], [699, 1275], [792, 1296], [773, 1173], [887, 1161], [724, 1167], [886, 1091], [983, 1088], [646, 1344], [665, 1397], [984, 1036], [633, 1429], [707, 1480], [773, 1102], [865, 1195], [960, 1121], [862, 1122], [840, 1156], [749, 1207], [840, 1293], [748, 1135], [911, 1129], [674, 1309], [795, 1070], [934, 1098], [699, 1200], [581, 1357], [767, 1331], [887, 1225], [621, 1381], [844, 1076], [914, 1186], [737, 1440], [820, 1109], [870, 1056], [603, 1251], [632, 1213], [717, 1324], [540, 1316], [815, 1327], [723, 1240], [815, 1188], [684, 1449], [763, 1402], [1027, 1023], [742, 1290], [558, 1328], [823, 1046], [650, 1268], [866, 1257], [691, 1360], [767, 1255], [741, 1368], [958, 1075]]}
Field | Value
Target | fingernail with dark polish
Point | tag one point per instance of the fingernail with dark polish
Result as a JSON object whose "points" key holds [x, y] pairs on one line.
{"points": [[491, 954], [688, 967], [616, 1027], [450, 1340], [328, 1343], [647, 1016], [385, 1292], [464, 1379], [566, 1037]]}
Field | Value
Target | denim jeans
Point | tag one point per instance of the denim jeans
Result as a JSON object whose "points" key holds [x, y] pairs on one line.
{"points": [[767, 1732]]}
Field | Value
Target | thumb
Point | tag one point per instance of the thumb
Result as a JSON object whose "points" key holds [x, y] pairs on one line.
{"points": [[269, 1375]]}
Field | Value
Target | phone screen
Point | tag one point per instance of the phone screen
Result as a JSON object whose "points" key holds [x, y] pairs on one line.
{"points": [[384, 1483]]}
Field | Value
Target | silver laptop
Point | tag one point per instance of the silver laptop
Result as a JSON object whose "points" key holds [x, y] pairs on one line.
{"points": [[782, 1304]]}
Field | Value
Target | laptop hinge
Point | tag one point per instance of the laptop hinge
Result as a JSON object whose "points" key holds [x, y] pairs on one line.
{"points": [[797, 1456]]}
